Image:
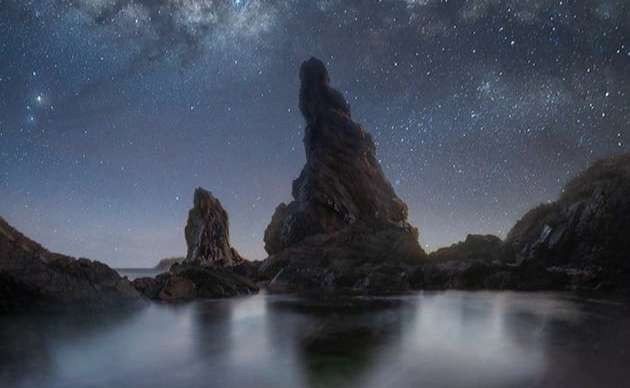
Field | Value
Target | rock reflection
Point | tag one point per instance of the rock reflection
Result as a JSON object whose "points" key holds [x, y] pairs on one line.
{"points": [[461, 339], [437, 339], [337, 342]]}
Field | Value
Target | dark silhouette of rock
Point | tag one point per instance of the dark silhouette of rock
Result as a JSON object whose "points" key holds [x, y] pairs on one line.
{"points": [[177, 288], [212, 268], [216, 282], [581, 241], [475, 247], [186, 281], [586, 232], [477, 274], [31, 276], [207, 233], [475, 263], [150, 287], [345, 219]]}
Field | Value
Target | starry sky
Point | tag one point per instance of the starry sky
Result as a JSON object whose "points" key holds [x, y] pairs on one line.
{"points": [[113, 111]]}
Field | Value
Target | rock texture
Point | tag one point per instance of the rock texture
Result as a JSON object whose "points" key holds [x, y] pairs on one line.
{"points": [[586, 233], [207, 233], [185, 282], [345, 219], [31, 276], [580, 242], [211, 269]]}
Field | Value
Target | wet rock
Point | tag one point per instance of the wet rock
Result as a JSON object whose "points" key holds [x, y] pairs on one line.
{"points": [[217, 282], [185, 282], [345, 213], [207, 233], [177, 288]]}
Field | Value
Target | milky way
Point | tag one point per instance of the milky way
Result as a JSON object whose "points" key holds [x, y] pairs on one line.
{"points": [[113, 111]]}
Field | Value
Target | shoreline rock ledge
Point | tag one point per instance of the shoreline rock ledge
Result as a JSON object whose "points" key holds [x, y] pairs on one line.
{"points": [[346, 229]]}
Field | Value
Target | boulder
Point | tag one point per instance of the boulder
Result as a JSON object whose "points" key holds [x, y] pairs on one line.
{"points": [[207, 233], [345, 214], [31, 276]]}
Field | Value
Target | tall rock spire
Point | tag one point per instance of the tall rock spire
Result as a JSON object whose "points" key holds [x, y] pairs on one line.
{"points": [[207, 233], [342, 190]]}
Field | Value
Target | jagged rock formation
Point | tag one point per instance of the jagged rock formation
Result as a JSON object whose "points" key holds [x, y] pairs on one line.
{"points": [[31, 276], [211, 269], [207, 233], [345, 216], [586, 232]]}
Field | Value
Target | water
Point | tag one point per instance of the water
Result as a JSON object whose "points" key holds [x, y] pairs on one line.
{"points": [[133, 273], [445, 339]]}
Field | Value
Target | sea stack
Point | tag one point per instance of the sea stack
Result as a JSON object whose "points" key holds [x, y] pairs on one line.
{"points": [[211, 268], [207, 233], [345, 223]]}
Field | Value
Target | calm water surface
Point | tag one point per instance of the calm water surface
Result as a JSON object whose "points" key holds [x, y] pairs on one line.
{"points": [[446, 339]]}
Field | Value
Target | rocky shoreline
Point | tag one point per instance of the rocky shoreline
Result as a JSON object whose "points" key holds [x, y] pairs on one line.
{"points": [[31, 277], [346, 232]]}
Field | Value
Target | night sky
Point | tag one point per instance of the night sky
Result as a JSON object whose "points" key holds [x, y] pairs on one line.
{"points": [[113, 111]]}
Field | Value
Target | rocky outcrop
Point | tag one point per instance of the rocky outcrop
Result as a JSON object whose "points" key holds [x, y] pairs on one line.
{"points": [[207, 233], [211, 269], [586, 232], [185, 282], [483, 262], [475, 263], [346, 223], [31, 276], [581, 242]]}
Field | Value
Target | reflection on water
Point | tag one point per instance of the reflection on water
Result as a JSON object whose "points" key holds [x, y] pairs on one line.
{"points": [[449, 339]]}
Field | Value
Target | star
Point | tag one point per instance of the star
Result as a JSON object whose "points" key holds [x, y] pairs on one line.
{"points": [[478, 103]]}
